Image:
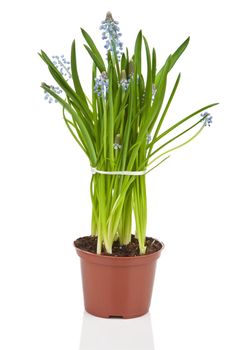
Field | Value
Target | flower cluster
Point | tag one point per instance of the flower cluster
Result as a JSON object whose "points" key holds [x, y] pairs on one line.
{"points": [[208, 118], [48, 97], [101, 85], [124, 82], [111, 34], [63, 66], [117, 146]]}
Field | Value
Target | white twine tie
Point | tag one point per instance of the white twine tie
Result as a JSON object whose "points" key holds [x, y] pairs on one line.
{"points": [[122, 172]]}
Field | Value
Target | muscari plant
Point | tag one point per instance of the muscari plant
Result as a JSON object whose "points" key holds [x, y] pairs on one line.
{"points": [[120, 129]]}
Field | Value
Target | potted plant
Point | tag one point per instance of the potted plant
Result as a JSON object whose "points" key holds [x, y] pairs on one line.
{"points": [[120, 129]]}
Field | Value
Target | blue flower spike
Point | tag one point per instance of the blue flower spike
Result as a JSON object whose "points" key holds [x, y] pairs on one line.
{"points": [[63, 66], [208, 118], [124, 82], [47, 95], [101, 85], [111, 34]]}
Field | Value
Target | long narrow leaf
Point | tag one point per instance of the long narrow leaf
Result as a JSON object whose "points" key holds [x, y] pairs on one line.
{"points": [[75, 76], [174, 58], [153, 65], [68, 123], [87, 138], [147, 122], [137, 53], [111, 120], [182, 121], [176, 137], [148, 93], [94, 50], [165, 111], [97, 62], [64, 85], [178, 146]]}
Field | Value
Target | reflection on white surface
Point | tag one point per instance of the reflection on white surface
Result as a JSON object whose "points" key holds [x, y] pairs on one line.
{"points": [[116, 334]]}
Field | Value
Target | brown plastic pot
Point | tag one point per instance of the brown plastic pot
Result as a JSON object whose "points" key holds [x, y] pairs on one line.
{"points": [[117, 286]]}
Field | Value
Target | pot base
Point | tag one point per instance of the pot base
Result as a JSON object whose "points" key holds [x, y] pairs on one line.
{"points": [[124, 316], [117, 286]]}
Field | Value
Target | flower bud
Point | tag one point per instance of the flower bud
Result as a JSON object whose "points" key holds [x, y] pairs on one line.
{"points": [[117, 139], [109, 17], [123, 75]]}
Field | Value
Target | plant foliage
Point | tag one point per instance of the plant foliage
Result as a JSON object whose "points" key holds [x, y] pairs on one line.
{"points": [[121, 127]]}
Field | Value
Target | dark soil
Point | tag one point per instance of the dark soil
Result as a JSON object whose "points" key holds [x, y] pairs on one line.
{"points": [[89, 244]]}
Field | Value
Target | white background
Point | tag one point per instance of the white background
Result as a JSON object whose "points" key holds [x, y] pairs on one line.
{"points": [[44, 187]]}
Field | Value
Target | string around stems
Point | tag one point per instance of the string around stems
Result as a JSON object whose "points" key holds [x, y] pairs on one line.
{"points": [[122, 172]]}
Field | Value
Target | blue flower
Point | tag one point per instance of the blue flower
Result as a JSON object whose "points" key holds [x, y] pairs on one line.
{"points": [[125, 84], [207, 118], [117, 146], [47, 95], [111, 34], [101, 85], [63, 66]]}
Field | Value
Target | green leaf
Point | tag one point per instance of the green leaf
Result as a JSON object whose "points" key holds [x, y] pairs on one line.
{"points": [[97, 62], [75, 76], [111, 118], [173, 58], [123, 62], [153, 65], [148, 120], [65, 86], [163, 160], [182, 121], [86, 136], [88, 122], [165, 110], [178, 146], [127, 129], [176, 137], [160, 94], [94, 51], [69, 124], [138, 53], [148, 92]]}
